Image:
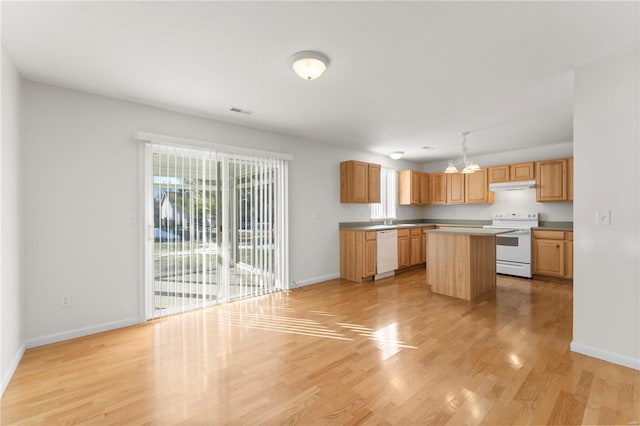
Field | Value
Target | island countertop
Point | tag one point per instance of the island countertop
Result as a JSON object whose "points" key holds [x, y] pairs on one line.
{"points": [[469, 231]]}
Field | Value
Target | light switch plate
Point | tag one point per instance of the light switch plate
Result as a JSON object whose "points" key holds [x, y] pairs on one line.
{"points": [[603, 217]]}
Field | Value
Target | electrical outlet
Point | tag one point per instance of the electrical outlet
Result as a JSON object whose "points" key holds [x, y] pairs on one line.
{"points": [[65, 301]]}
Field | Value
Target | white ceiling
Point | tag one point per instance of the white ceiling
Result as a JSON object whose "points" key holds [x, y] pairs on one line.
{"points": [[403, 75]]}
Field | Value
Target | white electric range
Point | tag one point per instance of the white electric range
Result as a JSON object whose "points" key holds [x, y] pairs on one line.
{"points": [[513, 249]]}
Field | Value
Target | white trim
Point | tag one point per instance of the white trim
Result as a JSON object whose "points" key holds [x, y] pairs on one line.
{"points": [[12, 368], [314, 280], [605, 355], [81, 332], [195, 143]]}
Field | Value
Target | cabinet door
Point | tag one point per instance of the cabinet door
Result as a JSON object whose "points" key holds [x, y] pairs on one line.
{"points": [[354, 176], [424, 188], [568, 259], [548, 257], [404, 187], [438, 188], [455, 188], [498, 174], [423, 247], [521, 171], [415, 253], [415, 187], [404, 252], [373, 183], [570, 179], [551, 180], [369, 257], [476, 187]]}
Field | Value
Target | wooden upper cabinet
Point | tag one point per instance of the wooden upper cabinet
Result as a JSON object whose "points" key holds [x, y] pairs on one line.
{"points": [[455, 188], [551, 180], [424, 188], [359, 182], [438, 188], [498, 174], [512, 172], [570, 179], [476, 189], [374, 182], [521, 171], [412, 188]]}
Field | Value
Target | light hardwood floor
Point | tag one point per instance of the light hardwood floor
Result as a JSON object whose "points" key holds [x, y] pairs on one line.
{"points": [[389, 352]]}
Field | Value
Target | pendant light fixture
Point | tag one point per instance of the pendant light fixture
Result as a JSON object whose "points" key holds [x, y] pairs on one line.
{"points": [[469, 165], [309, 64]]}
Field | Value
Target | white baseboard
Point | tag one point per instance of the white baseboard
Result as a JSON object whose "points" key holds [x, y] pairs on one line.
{"points": [[314, 280], [80, 332], [12, 368], [605, 355]]}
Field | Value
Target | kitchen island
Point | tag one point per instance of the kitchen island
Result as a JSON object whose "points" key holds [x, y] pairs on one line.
{"points": [[461, 262]]}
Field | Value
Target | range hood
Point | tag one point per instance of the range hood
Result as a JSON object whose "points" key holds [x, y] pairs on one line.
{"points": [[512, 186]]}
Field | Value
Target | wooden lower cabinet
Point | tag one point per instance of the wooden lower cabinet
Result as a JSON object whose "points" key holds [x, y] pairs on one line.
{"points": [[568, 255], [415, 249], [404, 248], [357, 255], [370, 253], [553, 254]]}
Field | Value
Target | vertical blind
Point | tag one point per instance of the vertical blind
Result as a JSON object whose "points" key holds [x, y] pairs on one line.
{"points": [[220, 227], [386, 208]]}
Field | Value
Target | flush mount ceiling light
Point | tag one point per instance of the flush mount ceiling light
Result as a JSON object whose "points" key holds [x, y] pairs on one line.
{"points": [[309, 64], [396, 155], [469, 165]]}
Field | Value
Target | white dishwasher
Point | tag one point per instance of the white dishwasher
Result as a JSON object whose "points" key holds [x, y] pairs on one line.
{"points": [[386, 254]]}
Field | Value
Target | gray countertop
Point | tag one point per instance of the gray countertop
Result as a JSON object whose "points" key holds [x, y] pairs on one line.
{"points": [[367, 226], [484, 232], [405, 226]]}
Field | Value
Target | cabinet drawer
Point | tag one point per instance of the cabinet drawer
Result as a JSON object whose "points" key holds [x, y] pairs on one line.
{"points": [[416, 231], [569, 236], [370, 235], [403, 232], [548, 235]]}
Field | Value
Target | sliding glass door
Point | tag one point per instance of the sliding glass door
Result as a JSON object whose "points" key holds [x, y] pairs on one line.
{"points": [[186, 198], [219, 228]]}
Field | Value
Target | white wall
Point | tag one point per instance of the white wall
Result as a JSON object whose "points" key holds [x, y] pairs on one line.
{"points": [[81, 183], [606, 322], [11, 318], [524, 200]]}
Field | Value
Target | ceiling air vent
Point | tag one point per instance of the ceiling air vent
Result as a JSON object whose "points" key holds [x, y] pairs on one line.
{"points": [[241, 111], [428, 147]]}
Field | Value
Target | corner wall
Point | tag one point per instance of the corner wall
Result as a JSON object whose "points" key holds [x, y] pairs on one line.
{"points": [[606, 322], [11, 300]]}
